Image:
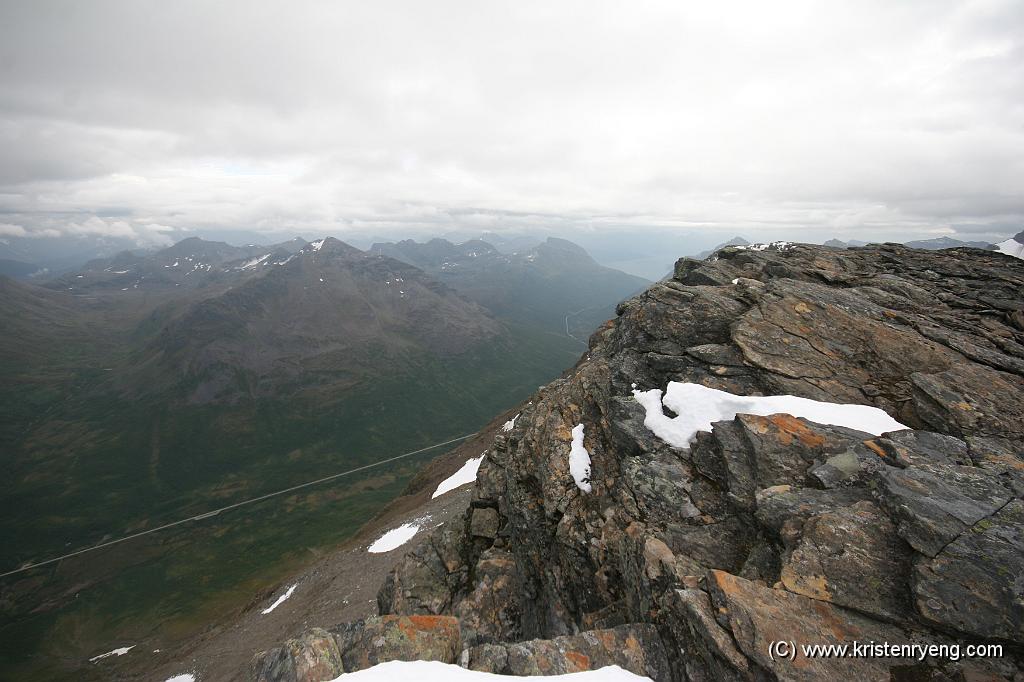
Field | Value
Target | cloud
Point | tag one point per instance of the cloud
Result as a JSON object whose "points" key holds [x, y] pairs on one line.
{"points": [[99, 227], [139, 232], [8, 230], [898, 119]]}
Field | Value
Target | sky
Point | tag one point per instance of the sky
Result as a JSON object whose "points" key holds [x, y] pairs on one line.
{"points": [[800, 120]]}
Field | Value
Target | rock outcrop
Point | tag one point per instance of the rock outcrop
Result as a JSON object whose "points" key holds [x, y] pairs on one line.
{"points": [[767, 528]]}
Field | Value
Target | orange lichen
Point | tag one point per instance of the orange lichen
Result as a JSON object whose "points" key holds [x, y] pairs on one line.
{"points": [[876, 448], [577, 661], [790, 426]]}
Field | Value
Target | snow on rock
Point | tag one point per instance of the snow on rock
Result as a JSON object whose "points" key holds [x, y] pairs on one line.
{"points": [[467, 474], [116, 652], [317, 245], [779, 246], [579, 460], [1011, 247], [435, 671], [253, 263], [394, 538], [187, 677], [510, 424], [280, 600], [698, 407]]}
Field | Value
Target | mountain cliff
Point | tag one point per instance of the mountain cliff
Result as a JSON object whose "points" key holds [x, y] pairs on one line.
{"points": [[703, 527]]}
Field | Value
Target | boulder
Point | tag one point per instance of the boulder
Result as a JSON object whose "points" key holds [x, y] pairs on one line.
{"points": [[933, 503], [975, 585], [635, 647], [322, 655]]}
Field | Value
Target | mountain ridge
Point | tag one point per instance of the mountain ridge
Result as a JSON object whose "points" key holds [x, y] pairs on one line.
{"points": [[555, 284], [766, 527]]}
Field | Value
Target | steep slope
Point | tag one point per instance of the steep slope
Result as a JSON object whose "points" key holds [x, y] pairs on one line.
{"points": [[762, 528], [555, 285]]}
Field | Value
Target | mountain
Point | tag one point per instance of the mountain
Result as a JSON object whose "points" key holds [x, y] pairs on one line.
{"points": [[19, 269], [147, 387], [62, 253], [945, 243], [510, 243], [1014, 246], [840, 244], [793, 444], [330, 311], [555, 286], [735, 241], [192, 263]]}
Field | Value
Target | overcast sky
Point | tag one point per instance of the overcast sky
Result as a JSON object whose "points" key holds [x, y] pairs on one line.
{"points": [[856, 119]]}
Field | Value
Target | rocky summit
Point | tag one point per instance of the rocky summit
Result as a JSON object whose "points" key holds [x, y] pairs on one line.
{"points": [[689, 563]]}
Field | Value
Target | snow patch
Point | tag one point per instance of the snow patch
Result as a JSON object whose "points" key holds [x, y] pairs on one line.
{"points": [[778, 246], [394, 538], [280, 600], [116, 652], [317, 245], [248, 265], [698, 407], [435, 671], [467, 474], [510, 424], [1011, 247], [579, 460], [187, 677]]}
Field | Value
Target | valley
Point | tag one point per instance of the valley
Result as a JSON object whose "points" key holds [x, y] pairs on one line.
{"points": [[144, 389]]}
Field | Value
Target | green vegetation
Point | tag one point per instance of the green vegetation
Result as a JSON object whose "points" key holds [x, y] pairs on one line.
{"points": [[87, 458]]}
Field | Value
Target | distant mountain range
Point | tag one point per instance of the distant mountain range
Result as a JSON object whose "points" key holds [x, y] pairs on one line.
{"points": [[930, 244], [555, 285]]}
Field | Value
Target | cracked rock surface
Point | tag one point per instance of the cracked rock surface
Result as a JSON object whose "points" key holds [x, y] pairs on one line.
{"points": [[686, 563]]}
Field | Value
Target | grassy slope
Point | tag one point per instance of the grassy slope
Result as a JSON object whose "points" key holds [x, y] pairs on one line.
{"points": [[98, 465]]}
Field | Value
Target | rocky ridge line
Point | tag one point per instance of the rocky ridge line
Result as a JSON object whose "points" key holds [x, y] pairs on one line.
{"points": [[684, 564]]}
